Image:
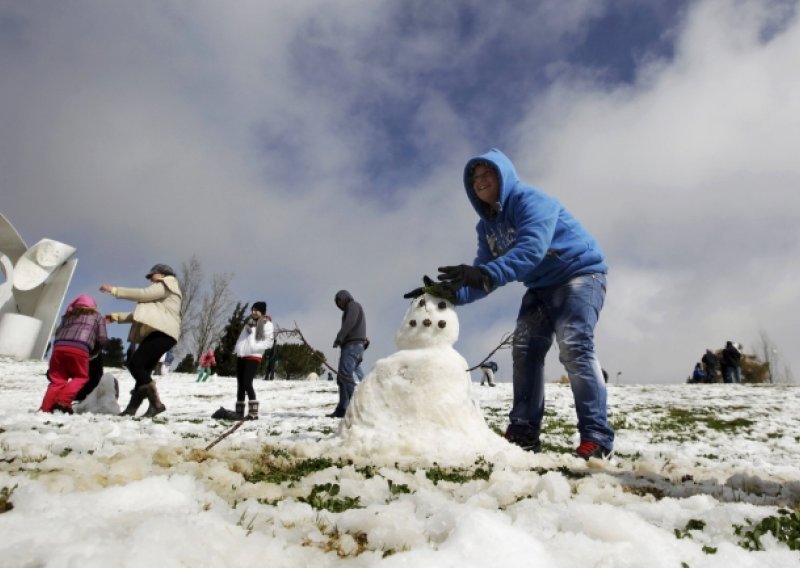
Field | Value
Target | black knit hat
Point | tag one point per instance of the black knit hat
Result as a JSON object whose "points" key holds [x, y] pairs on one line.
{"points": [[260, 306], [164, 269]]}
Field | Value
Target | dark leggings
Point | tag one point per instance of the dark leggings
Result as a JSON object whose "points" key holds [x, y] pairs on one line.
{"points": [[147, 354], [95, 374], [245, 372]]}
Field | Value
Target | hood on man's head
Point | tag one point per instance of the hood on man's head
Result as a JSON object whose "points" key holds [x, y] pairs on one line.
{"points": [[260, 306], [506, 177], [164, 269], [342, 298]]}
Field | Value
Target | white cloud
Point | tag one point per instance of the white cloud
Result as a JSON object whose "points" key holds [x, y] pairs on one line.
{"points": [[244, 133]]}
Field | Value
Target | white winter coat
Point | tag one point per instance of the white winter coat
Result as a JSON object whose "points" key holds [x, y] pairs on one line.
{"points": [[248, 346]]}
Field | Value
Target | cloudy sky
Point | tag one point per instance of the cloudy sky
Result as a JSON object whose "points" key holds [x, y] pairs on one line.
{"points": [[312, 146]]}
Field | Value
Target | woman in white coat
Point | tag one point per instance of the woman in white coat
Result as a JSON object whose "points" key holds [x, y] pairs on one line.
{"points": [[256, 337]]}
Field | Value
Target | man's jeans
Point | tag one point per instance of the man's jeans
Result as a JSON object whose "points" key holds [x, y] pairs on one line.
{"points": [[733, 375], [570, 312], [349, 368]]}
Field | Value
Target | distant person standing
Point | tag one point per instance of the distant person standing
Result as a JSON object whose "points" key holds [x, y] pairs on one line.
{"points": [[352, 338], [488, 369], [698, 375], [169, 358], [207, 360], [256, 337], [80, 336], [709, 361], [272, 362], [155, 329], [731, 363]]}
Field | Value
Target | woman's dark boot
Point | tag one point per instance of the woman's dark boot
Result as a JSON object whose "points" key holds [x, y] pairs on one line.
{"points": [[156, 407], [137, 397], [240, 408]]}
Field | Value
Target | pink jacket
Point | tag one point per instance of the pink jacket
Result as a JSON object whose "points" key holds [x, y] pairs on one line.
{"points": [[207, 359]]}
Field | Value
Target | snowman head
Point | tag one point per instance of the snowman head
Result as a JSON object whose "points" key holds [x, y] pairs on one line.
{"points": [[429, 322]]}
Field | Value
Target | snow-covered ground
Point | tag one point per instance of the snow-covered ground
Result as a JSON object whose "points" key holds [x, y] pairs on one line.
{"points": [[693, 463]]}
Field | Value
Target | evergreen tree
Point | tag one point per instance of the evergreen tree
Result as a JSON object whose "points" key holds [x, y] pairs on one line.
{"points": [[226, 358], [297, 361], [187, 365], [114, 353]]}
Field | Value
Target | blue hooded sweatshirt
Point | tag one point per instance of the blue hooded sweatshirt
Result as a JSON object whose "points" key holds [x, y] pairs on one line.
{"points": [[532, 238]]}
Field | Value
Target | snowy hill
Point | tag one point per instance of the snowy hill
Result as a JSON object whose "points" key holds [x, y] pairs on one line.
{"points": [[697, 469]]}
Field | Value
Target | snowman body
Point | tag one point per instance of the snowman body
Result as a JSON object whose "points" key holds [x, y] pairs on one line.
{"points": [[418, 400]]}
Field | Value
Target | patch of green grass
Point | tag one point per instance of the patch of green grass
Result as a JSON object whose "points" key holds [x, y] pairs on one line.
{"points": [[368, 471], [728, 425], [276, 465], [398, 488], [619, 422], [482, 470], [556, 426], [5, 499], [689, 424], [65, 452], [325, 497], [563, 470], [692, 525], [785, 527]]}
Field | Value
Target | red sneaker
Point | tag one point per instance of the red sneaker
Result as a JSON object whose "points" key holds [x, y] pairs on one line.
{"points": [[589, 449]]}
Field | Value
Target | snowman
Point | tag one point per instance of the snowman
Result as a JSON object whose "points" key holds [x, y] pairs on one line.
{"points": [[417, 401]]}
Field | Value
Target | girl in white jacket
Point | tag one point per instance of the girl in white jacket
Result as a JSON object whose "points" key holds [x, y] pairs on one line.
{"points": [[257, 336]]}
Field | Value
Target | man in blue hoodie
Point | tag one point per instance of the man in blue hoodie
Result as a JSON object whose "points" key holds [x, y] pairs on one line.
{"points": [[526, 235]]}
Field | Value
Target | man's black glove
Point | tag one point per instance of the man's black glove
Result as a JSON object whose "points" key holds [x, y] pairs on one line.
{"points": [[465, 275], [438, 289]]}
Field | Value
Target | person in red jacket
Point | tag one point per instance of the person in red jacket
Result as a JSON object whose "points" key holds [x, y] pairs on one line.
{"points": [[207, 361], [80, 336]]}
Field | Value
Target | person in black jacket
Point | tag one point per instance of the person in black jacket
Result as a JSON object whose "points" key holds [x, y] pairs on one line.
{"points": [[709, 361], [352, 339], [731, 363]]}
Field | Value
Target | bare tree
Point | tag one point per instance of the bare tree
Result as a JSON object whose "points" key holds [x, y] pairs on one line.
{"points": [[767, 351], [211, 318], [191, 281]]}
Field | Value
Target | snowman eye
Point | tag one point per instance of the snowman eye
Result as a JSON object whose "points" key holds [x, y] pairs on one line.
{"points": [[442, 323], [426, 322], [442, 305], [421, 303], [413, 323]]}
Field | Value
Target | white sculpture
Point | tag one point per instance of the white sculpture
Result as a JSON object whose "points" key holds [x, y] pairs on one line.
{"points": [[36, 281]]}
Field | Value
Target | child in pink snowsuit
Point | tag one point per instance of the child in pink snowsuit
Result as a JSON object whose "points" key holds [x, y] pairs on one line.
{"points": [[80, 336], [207, 361]]}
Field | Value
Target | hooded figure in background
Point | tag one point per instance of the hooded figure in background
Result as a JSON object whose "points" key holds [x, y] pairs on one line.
{"points": [[352, 339]]}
